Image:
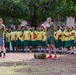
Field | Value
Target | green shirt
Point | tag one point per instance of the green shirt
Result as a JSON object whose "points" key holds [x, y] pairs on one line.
{"points": [[50, 31], [2, 30]]}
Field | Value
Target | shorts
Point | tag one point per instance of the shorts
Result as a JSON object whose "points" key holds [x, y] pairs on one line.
{"points": [[7, 44], [44, 43], [67, 43], [13, 43], [18, 42], [22, 43], [1, 41], [58, 43], [26, 43], [39, 42], [63, 43], [33, 43], [50, 40], [72, 43]]}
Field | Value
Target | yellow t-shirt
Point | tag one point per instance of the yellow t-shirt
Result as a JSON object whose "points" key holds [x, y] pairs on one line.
{"points": [[39, 35], [75, 32], [27, 35], [72, 37], [56, 34], [21, 37], [32, 36], [8, 36], [44, 36], [13, 35], [67, 37], [18, 35], [63, 35]]}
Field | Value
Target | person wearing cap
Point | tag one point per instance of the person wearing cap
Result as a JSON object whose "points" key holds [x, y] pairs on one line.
{"points": [[2, 32], [50, 41]]}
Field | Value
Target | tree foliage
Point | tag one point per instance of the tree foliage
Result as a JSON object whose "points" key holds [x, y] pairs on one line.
{"points": [[36, 11], [13, 10]]}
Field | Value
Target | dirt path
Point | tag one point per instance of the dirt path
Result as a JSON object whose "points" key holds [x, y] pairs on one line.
{"points": [[25, 64]]}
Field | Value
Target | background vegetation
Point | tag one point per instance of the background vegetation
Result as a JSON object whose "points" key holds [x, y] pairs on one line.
{"points": [[36, 11]]}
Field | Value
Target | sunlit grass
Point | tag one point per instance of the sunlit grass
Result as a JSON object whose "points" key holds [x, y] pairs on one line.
{"points": [[12, 70], [38, 69]]}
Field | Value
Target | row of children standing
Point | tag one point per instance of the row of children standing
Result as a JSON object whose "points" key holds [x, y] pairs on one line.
{"points": [[26, 39], [65, 39]]}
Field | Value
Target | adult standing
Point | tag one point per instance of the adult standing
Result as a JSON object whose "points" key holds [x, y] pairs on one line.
{"points": [[50, 41], [2, 31]]}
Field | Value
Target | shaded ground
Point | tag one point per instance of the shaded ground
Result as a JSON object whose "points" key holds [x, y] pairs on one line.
{"points": [[25, 64]]}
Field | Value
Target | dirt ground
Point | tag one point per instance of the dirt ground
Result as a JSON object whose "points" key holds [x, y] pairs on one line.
{"points": [[25, 64]]}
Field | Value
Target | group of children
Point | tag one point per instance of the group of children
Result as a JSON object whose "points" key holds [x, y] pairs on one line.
{"points": [[65, 39], [26, 39], [34, 39]]}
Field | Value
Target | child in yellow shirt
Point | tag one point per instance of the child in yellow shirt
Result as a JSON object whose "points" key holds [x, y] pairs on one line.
{"points": [[57, 34], [72, 37], [33, 39], [18, 38], [67, 38], [44, 45], [13, 39], [8, 39], [27, 38], [39, 35]]}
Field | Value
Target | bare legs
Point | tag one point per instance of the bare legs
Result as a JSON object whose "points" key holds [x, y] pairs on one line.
{"points": [[50, 47], [2, 49]]}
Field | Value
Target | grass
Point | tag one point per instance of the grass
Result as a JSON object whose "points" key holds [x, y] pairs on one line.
{"points": [[38, 68], [13, 70]]}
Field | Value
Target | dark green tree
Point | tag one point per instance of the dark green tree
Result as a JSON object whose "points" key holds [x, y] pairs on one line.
{"points": [[36, 11], [13, 10]]}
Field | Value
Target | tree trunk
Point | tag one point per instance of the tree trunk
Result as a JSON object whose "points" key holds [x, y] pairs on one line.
{"points": [[34, 19], [33, 14], [58, 20]]}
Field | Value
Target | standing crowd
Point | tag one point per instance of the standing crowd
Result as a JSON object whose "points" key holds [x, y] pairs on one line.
{"points": [[44, 38], [25, 38], [34, 39]]}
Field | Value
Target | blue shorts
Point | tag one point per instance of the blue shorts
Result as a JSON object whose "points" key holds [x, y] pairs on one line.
{"points": [[1, 41]]}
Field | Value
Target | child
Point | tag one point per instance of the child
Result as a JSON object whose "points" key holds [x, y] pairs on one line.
{"points": [[67, 39], [22, 38], [33, 39], [39, 39], [63, 31], [72, 35], [18, 38], [57, 34], [27, 38], [8, 39], [13, 36], [44, 40]]}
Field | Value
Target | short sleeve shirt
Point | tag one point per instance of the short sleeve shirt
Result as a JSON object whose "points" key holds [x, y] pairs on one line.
{"points": [[50, 31], [2, 30]]}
